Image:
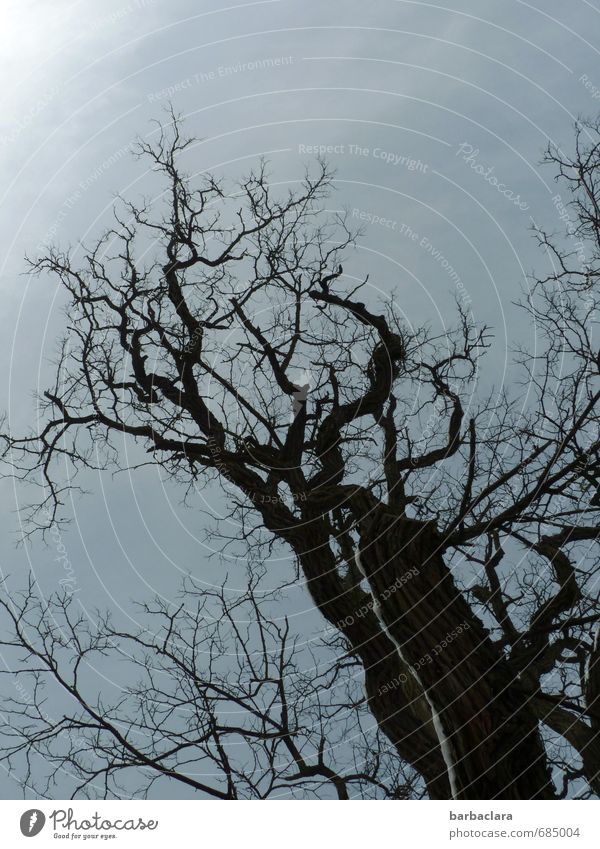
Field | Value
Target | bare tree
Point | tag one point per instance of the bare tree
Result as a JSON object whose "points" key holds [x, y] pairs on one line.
{"points": [[450, 544], [213, 696]]}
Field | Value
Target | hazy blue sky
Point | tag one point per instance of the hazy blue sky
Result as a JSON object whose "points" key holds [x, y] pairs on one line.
{"points": [[409, 97]]}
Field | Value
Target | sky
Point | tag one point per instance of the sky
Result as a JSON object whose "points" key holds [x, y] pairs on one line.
{"points": [[435, 117]]}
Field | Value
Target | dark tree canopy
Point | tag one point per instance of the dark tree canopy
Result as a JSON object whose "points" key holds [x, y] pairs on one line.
{"points": [[449, 541]]}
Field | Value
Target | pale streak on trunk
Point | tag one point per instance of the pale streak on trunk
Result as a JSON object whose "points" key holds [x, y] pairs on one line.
{"points": [[401, 712], [488, 733], [445, 745]]}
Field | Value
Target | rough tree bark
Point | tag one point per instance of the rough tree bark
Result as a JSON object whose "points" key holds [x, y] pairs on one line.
{"points": [[397, 703], [492, 745]]}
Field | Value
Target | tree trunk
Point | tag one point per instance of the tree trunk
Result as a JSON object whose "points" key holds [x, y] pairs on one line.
{"points": [[401, 711], [397, 703], [488, 733]]}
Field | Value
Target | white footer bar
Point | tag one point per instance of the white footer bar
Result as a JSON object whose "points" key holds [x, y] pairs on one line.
{"points": [[301, 825]]}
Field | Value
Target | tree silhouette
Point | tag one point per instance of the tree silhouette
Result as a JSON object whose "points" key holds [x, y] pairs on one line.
{"points": [[213, 696], [450, 543]]}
